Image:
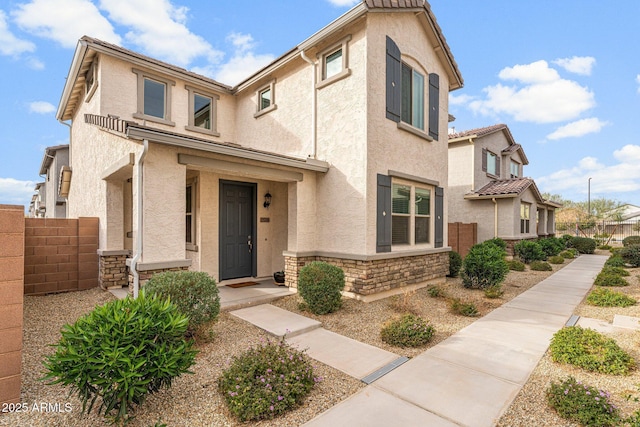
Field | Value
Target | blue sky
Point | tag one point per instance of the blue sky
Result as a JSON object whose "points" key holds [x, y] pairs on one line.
{"points": [[563, 75]]}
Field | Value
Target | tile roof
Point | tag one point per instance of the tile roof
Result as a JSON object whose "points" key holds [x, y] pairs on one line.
{"points": [[394, 3], [513, 186], [480, 131]]}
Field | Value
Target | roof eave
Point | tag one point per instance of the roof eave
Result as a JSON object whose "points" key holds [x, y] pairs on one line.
{"points": [[74, 69]]}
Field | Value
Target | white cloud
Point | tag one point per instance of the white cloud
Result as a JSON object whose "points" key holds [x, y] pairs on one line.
{"points": [[578, 128], [244, 61], [9, 44], [35, 63], [41, 107], [159, 28], [577, 64], [460, 99], [628, 154], [16, 192], [343, 3], [539, 95], [64, 21]]}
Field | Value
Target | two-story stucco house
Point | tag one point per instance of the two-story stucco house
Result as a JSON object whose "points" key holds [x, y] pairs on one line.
{"points": [[38, 207], [50, 196], [487, 186], [336, 151]]}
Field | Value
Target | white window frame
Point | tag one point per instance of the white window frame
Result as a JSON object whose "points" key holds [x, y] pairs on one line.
{"points": [[192, 245], [193, 91], [91, 80], [517, 167], [271, 86], [342, 45], [412, 214], [139, 114], [495, 172]]}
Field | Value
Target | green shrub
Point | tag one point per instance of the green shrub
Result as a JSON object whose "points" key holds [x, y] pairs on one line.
{"points": [[567, 254], [603, 297], [609, 269], [497, 242], [320, 284], [615, 251], [455, 262], [194, 294], [605, 247], [120, 352], [266, 381], [584, 245], [557, 259], [541, 266], [551, 246], [631, 240], [484, 266], [407, 331], [582, 403], [463, 308], [609, 279], [615, 261], [494, 291], [631, 255], [566, 239], [516, 265], [590, 350], [528, 250], [435, 292]]}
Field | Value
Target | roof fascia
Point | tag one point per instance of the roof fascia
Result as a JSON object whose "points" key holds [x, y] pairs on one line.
{"points": [[72, 75]]}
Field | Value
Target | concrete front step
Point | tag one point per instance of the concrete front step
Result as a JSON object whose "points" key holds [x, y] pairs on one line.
{"points": [[276, 321], [627, 322]]}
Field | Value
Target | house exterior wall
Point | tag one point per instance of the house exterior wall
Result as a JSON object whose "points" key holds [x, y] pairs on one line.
{"points": [[494, 142], [55, 205]]}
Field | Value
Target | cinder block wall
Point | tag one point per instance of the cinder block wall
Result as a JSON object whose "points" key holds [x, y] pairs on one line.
{"points": [[11, 289]]}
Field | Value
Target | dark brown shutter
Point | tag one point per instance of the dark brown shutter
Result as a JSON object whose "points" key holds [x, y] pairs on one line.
{"points": [[498, 166], [383, 216], [394, 71], [434, 105], [439, 220], [484, 160]]}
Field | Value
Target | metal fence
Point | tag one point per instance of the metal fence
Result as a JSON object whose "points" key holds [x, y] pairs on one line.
{"points": [[611, 231]]}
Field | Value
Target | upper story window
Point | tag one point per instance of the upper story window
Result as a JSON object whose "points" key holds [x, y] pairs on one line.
{"points": [[202, 111], [490, 163], [154, 98], [91, 80], [266, 99], [515, 169], [525, 217], [334, 63], [412, 97], [411, 214]]}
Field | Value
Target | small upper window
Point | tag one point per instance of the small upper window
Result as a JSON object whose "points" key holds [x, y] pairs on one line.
{"points": [[412, 97], [202, 112], [490, 163], [515, 169], [154, 98], [334, 64], [91, 81], [266, 99]]}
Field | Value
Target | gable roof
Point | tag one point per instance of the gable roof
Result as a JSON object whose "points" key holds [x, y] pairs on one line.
{"points": [[49, 154], [477, 133], [506, 188]]}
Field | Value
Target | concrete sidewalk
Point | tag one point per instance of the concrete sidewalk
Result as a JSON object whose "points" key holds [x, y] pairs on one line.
{"points": [[471, 378]]}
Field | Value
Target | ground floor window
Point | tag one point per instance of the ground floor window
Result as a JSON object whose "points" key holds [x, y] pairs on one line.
{"points": [[190, 224], [525, 217], [411, 214]]}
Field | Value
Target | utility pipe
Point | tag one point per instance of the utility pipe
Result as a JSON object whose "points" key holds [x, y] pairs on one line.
{"points": [[139, 222], [314, 102], [495, 217]]}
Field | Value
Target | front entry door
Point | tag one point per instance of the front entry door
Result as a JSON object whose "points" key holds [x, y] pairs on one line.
{"points": [[237, 230]]}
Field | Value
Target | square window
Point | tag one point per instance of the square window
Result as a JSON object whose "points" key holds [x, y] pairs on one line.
{"points": [[154, 98], [202, 111], [412, 104], [411, 214], [333, 64]]}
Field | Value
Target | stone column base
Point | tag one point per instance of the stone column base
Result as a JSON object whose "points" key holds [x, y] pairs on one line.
{"points": [[113, 270]]}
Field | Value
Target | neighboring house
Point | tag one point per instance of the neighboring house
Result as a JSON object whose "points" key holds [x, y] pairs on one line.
{"points": [[38, 206], [626, 212], [54, 162], [336, 151], [487, 186]]}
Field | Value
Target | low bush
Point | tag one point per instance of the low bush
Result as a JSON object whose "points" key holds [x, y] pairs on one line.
{"points": [[609, 269], [609, 279], [496, 241], [484, 266], [631, 255], [557, 259], [494, 291], [194, 294], [615, 261], [566, 239], [528, 251], [266, 381], [455, 262], [583, 404], [605, 247], [463, 308], [435, 292], [551, 246], [615, 251], [541, 266], [631, 240], [603, 297], [584, 245], [120, 352], [590, 350], [407, 331], [320, 285], [516, 265]]}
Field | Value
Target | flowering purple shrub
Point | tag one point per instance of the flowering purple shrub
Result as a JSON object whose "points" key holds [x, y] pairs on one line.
{"points": [[582, 403], [266, 381]]}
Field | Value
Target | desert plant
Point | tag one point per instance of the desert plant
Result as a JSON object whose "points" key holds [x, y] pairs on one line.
{"points": [[494, 291], [590, 350], [484, 266], [566, 239], [455, 262], [120, 352], [609, 279], [463, 308], [528, 250], [407, 331], [194, 294], [516, 265], [631, 240], [557, 259], [320, 284], [266, 381], [541, 266], [605, 247], [631, 255], [551, 246], [404, 303], [584, 245], [497, 242], [615, 261], [567, 254], [435, 291], [610, 269], [582, 403], [603, 297]]}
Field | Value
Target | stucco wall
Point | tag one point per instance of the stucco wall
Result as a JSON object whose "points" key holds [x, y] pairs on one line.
{"points": [[61, 158]]}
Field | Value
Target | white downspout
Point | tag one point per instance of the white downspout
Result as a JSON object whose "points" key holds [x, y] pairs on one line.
{"points": [[138, 254], [314, 102], [495, 217], [66, 207]]}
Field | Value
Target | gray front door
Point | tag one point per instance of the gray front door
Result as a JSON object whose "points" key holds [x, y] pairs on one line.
{"points": [[237, 230]]}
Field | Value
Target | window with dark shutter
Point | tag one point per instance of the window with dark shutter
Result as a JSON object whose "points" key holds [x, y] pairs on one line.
{"points": [[484, 160], [434, 105], [394, 75], [383, 216]]}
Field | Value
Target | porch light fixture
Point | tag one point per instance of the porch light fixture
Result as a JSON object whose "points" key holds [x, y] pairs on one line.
{"points": [[267, 200]]}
